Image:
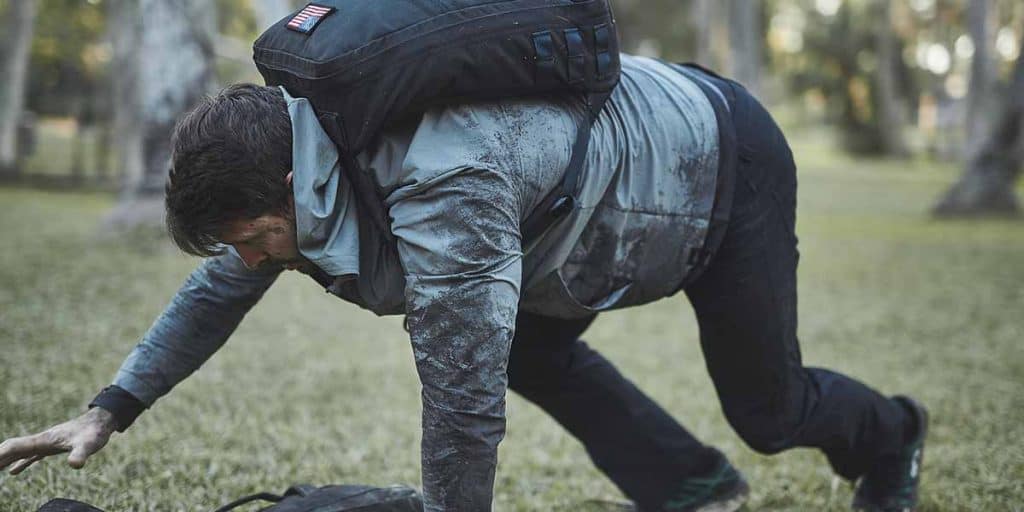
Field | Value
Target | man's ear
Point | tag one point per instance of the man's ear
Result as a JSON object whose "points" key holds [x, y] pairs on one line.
{"points": [[291, 197]]}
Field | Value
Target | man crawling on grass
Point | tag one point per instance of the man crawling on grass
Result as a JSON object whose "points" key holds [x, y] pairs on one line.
{"points": [[688, 186]]}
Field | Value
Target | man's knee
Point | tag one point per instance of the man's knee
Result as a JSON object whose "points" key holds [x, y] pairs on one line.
{"points": [[766, 433], [771, 417], [765, 442]]}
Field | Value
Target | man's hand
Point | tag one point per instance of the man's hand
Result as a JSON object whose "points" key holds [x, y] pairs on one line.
{"points": [[82, 436]]}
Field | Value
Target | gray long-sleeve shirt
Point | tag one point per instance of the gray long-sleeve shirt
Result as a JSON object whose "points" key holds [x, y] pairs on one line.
{"points": [[459, 182]]}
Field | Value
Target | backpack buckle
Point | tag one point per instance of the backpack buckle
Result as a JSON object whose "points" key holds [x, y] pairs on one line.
{"points": [[562, 206]]}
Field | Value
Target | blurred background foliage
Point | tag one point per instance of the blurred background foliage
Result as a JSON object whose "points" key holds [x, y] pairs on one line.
{"points": [[920, 79]]}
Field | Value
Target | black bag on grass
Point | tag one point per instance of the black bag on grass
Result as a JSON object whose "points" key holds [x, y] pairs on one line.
{"points": [[66, 505], [303, 498], [337, 498], [364, 65]]}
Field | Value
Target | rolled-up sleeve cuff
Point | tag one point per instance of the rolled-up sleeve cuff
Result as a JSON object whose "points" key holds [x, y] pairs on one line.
{"points": [[123, 405]]}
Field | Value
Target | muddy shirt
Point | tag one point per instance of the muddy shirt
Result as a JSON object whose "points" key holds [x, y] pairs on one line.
{"points": [[459, 181]]}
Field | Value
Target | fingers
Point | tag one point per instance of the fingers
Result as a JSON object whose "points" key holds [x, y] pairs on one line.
{"points": [[82, 439], [25, 447], [16, 448], [23, 464], [78, 456]]}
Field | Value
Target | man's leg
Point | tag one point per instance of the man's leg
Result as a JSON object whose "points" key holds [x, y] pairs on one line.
{"points": [[746, 308], [628, 436]]}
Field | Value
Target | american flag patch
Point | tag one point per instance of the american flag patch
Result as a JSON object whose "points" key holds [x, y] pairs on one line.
{"points": [[309, 17]]}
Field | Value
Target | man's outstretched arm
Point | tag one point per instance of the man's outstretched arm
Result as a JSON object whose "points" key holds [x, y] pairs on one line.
{"points": [[459, 243], [199, 319]]}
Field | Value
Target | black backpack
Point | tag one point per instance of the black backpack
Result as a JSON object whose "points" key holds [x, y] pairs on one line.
{"points": [[303, 498], [366, 64]]}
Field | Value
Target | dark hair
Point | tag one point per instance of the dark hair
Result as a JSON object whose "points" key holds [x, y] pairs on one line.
{"points": [[229, 160]]}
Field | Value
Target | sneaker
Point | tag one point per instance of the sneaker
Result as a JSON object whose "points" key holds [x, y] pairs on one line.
{"points": [[724, 490], [891, 486]]}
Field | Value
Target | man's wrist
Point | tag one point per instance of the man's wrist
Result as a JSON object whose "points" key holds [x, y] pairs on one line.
{"points": [[122, 406], [104, 418]]}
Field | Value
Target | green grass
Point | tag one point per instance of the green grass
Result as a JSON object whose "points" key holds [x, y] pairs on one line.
{"points": [[311, 389]]}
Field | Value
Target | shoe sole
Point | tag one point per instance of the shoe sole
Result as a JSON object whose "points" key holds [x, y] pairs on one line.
{"points": [[729, 503]]}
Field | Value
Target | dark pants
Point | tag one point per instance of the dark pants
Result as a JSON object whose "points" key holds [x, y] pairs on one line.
{"points": [[745, 302]]}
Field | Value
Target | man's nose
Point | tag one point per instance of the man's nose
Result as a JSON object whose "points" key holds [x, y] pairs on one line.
{"points": [[250, 257]]}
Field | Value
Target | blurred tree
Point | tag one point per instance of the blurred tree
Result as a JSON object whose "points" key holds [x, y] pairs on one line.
{"points": [[69, 56], [174, 64], [851, 57], [124, 33], [746, 42], [891, 109], [987, 185], [20, 21], [702, 13], [238, 24], [269, 12], [983, 72], [656, 28], [693, 30], [67, 66]]}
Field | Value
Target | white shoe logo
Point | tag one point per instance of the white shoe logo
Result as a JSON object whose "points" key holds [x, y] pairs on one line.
{"points": [[914, 464]]}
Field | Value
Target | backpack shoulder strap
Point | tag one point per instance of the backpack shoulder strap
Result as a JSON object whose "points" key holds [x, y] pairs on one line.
{"points": [[562, 200], [368, 201]]}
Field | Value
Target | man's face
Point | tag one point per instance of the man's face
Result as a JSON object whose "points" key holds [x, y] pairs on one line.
{"points": [[265, 241]]}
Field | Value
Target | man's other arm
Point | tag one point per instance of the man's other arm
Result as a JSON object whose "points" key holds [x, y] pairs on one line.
{"points": [[459, 243], [196, 323]]}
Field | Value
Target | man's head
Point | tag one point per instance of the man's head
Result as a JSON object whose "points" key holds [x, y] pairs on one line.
{"points": [[230, 180]]}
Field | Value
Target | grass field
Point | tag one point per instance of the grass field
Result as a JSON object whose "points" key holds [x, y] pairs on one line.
{"points": [[311, 389]]}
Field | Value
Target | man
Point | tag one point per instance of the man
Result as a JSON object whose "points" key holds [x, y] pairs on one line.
{"points": [[688, 185]]}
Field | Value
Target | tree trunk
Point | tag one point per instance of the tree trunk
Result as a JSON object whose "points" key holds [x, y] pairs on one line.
{"points": [[104, 139], [174, 64], [987, 185], [125, 32], [982, 77], [745, 43], [77, 143], [856, 119], [891, 114], [702, 14], [14, 55]]}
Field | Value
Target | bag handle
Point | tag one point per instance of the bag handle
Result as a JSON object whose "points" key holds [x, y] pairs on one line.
{"points": [[295, 490]]}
